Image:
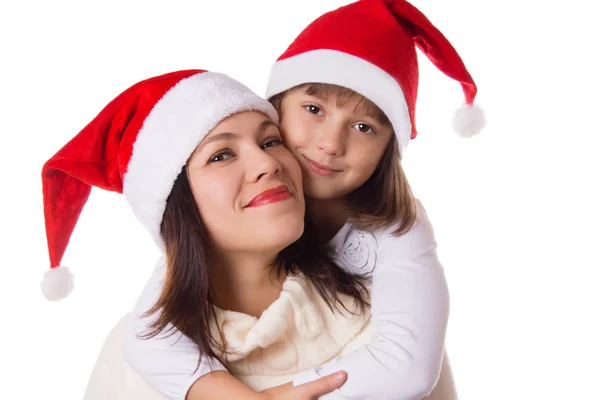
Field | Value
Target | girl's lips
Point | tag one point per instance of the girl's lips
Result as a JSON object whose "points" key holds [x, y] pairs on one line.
{"points": [[270, 196], [320, 169]]}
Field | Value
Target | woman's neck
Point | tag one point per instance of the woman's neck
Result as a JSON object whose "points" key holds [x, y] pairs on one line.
{"points": [[246, 283], [328, 216]]}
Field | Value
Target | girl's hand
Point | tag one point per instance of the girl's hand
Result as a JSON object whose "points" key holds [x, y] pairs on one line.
{"points": [[308, 391]]}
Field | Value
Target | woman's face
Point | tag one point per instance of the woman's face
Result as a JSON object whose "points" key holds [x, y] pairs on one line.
{"points": [[247, 186]]}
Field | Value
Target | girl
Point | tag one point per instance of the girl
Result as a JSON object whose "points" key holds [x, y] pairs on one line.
{"points": [[346, 90]]}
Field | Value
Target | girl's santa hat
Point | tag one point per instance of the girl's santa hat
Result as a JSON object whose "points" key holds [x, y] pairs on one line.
{"points": [[136, 146], [369, 47]]}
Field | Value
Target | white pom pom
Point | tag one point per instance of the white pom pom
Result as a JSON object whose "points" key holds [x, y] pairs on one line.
{"points": [[469, 120], [57, 283]]}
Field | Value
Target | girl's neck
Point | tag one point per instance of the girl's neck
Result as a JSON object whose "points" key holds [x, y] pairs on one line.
{"points": [[329, 216], [246, 283]]}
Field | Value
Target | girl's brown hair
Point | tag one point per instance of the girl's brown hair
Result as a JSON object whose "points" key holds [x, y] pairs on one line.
{"points": [[385, 200], [185, 301]]}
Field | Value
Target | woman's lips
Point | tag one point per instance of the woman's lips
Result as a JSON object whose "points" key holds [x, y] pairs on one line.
{"points": [[270, 196]]}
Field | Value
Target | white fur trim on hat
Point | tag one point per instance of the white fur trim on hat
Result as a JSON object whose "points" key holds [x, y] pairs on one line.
{"points": [[170, 133], [342, 69]]}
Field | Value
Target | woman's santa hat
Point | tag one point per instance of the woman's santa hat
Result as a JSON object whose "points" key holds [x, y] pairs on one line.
{"points": [[136, 146], [369, 47]]}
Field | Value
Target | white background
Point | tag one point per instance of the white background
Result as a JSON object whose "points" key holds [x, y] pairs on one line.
{"points": [[515, 209]]}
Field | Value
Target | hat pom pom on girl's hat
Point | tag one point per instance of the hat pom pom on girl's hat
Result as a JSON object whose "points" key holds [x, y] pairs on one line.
{"points": [[57, 283], [468, 120]]}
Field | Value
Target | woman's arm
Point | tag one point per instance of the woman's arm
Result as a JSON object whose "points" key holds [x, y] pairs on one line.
{"points": [[409, 307]]}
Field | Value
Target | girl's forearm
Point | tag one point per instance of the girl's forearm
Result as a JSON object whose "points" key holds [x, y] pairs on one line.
{"points": [[221, 385]]}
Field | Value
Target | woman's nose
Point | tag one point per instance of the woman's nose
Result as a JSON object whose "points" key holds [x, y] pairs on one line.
{"points": [[262, 165]]}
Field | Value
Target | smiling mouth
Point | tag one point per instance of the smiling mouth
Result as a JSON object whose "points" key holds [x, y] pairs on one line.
{"points": [[320, 169], [270, 196]]}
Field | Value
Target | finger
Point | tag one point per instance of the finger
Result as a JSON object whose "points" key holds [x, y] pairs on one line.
{"points": [[322, 385]]}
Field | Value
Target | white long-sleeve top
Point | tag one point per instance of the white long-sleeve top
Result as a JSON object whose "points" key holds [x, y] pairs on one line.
{"points": [[409, 310]]}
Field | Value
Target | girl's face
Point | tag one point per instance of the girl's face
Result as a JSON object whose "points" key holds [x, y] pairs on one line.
{"points": [[338, 146], [247, 186]]}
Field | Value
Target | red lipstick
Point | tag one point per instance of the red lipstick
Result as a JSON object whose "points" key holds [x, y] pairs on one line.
{"points": [[270, 196]]}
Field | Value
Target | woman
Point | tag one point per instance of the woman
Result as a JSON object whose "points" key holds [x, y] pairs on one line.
{"points": [[200, 160]]}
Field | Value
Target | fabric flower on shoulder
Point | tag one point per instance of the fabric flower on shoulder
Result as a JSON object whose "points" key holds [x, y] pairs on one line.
{"points": [[359, 253]]}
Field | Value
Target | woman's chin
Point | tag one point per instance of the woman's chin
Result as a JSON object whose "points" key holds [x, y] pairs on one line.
{"points": [[283, 232]]}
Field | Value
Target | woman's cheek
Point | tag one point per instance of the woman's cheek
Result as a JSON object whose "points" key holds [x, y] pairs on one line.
{"points": [[213, 194]]}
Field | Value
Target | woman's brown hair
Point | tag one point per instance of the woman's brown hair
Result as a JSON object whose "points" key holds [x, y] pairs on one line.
{"points": [[185, 301], [385, 200]]}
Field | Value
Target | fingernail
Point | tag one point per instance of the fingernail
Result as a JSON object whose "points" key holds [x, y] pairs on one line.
{"points": [[339, 376]]}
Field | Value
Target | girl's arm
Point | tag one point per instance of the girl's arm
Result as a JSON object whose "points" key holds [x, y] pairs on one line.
{"points": [[409, 307], [221, 385], [168, 363]]}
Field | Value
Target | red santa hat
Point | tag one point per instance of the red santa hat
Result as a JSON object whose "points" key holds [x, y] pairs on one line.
{"points": [[136, 146], [369, 47]]}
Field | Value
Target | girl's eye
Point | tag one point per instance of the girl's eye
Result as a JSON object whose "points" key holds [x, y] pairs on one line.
{"points": [[273, 142], [364, 128], [311, 108], [221, 156]]}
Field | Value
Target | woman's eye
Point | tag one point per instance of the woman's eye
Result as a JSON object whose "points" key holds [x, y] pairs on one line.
{"points": [[364, 128], [311, 108], [222, 156], [272, 143]]}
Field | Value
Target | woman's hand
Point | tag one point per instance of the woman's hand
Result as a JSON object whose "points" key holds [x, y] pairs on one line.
{"points": [[308, 391]]}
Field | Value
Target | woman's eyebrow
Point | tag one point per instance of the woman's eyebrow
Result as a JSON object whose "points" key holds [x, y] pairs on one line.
{"points": [[218, 137]]}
